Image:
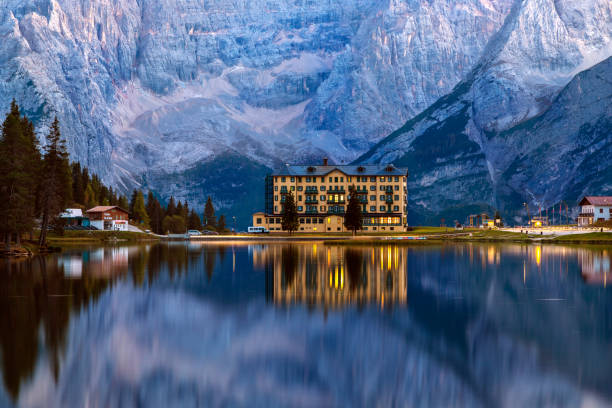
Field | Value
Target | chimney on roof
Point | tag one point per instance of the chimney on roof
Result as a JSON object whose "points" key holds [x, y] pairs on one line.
{"points": [[325, 161]]}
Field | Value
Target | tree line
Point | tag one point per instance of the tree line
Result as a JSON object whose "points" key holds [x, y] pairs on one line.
{"points": [[176, 217], [36, 185]]}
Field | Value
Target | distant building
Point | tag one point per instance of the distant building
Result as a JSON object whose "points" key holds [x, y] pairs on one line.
{"points": [[539, 221], [73, 217], [321, 196], [110, 218], [595, 208]]}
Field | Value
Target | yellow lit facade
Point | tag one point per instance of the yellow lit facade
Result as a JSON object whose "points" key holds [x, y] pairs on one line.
{"points": [[321, 194]]}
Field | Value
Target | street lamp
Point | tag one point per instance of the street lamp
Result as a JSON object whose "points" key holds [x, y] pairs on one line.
{"points": [[527, 207], [234, 218]]}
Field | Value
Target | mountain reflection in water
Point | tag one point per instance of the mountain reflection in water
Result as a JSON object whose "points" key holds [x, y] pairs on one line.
{"points": [[308, 325]]}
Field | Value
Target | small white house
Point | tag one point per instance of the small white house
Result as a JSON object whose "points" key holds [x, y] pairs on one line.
{"points": [[593, 209]]}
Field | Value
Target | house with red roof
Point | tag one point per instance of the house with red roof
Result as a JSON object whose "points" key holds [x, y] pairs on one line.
{"points": [[109, 217], [593, 209]]}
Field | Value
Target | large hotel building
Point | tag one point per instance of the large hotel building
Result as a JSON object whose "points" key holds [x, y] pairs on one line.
{"points": [[321, 195]]}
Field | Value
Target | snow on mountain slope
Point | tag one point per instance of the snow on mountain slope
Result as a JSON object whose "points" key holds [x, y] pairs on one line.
{"points": [[147, 87], [456, 155]]}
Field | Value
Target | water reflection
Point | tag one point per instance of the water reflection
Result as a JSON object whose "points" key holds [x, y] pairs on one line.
{"points": [[471, 324], [333, 276]]}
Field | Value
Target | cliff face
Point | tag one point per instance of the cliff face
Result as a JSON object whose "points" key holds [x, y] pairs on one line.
{"points": [[505, 135], [147, 89], [151, 92]]}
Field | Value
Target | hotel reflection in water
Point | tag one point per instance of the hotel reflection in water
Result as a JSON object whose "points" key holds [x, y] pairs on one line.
{"points": [[333, 276]]}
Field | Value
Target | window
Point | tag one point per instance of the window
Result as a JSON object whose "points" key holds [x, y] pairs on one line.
{"points": [[342, 179], [389, 179], [382, 208], [300, 208], [283, 179], [335, 179], [382, 198], [396, 208], [307, 220], [275, 198], [373, 179], [322, 188], [382, 179], [601, 210], [299, 179], [320, 220], [259, 220], [301, 220], [330, 180], [275, 188], [382, 188], [308, 179], [292, 188], [275, 208], [299, 198], [292, 179], [329, 220], [373, 208], [396, 197], [396, 187], [396, 178], [372, 188], [300, 188], [372, 198]]}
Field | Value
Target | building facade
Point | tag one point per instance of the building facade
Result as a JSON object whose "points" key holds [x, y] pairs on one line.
{"points": [[111, 218], [321, 195], [593, 209]]}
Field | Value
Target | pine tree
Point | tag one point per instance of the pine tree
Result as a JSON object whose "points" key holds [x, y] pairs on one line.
{"points": [[290, 221], [123, 202], [171, 209], [90, 197], [56, 189], [221, 224], [78, 189], [18, 175], [353, 219], [209, 214], [133, 202], [194, 221], [139, 213]]}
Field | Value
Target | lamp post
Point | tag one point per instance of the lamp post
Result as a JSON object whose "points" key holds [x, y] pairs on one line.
{"points": [[527, 207], [234, 218]]}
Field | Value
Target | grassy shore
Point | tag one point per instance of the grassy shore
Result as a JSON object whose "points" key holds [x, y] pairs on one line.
{"points": [[95, 237], [590, 238]]}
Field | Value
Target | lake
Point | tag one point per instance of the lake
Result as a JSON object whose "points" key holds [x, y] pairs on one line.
{"points": [[312, 324]]}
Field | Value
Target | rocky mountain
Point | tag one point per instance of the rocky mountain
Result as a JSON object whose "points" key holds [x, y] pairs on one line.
{"points": [[152, 92], [514, 130], [203, 97]]}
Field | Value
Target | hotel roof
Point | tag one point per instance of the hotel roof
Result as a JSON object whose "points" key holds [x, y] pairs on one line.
{"points": [[103, 208], [349, 170], [597, 200]]}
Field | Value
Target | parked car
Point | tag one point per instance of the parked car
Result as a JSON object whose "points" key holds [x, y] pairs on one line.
{"points": [[207, 232], [193, 233], [258, 230]]}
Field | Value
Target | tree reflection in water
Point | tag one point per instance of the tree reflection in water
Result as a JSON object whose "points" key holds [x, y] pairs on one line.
{"points": [[469, 304]]}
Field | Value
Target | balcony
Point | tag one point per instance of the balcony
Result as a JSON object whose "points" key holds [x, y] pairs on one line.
{"points": [[336, 211], [389, 199], [331, 201], [311, 190], [336, 191], [311, 201]]}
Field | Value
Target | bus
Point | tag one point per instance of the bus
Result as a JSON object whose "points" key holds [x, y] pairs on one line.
{"points": [[258, 230]]}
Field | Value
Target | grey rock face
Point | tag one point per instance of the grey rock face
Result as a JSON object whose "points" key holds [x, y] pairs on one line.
{"points": [[464, 149], [147, 87]]}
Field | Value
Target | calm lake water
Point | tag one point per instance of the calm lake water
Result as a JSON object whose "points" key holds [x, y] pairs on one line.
{"points": [[307, 325]]}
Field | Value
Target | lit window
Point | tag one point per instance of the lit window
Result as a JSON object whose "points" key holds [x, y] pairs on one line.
{"points": [[329, 220]]}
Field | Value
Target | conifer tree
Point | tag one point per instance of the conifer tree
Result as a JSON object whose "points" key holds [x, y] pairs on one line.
{"points": [[353, 219], [123, 202], [56, 188], [221, 224], [133, 202], [290, 221], [78, 189], [18, 175], [194, 221], [139, 213], [171, 209], [209, 214]]}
